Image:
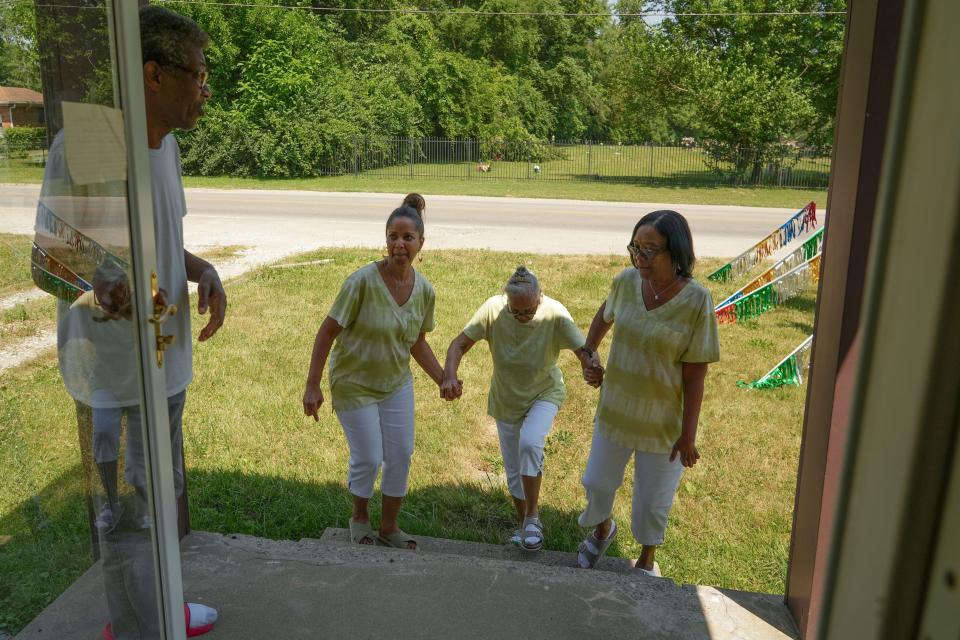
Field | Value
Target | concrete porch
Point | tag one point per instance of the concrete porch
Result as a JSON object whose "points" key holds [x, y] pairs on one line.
{"points": [[325, 588]]}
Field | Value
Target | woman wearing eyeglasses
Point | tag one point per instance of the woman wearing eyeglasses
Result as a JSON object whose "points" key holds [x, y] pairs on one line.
{"points": [[664, 335], [526, 331]]}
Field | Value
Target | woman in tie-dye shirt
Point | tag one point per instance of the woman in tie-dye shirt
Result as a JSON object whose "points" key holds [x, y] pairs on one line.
{"points": [[664, 335]]}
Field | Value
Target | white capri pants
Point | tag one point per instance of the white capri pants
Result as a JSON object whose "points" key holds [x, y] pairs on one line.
{"points": [[655, 481], [380, 434], [521, 445]]}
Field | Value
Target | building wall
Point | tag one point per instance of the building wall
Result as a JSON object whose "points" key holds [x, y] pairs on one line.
{"points": [[22, 116]]}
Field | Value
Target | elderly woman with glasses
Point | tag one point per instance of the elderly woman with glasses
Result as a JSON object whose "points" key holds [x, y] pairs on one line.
{"points": [[526, 331], [665, 334]]}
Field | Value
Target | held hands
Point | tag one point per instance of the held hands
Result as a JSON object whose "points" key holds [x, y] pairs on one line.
{"points": [[210, 295], [451, 388], [593, 370], [312, 399], [687, 450]]}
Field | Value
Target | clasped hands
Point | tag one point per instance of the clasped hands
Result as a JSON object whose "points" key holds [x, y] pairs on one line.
{"points": [[451, 388], [592, 369]]}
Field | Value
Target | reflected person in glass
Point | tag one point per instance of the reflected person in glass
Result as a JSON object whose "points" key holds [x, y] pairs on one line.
{"points": [[83, 228]]}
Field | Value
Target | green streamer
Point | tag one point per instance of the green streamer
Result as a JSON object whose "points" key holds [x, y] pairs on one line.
{"points": [[54, 285], [812, 246], [722, 274], [756, 303], [787, 372], [790, 370]]}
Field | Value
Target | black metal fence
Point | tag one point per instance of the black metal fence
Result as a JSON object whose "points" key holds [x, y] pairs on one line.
{"points": [[781, 165], [20, 151]]}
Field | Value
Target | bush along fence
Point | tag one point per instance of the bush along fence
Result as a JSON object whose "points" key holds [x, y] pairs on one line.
{"points": [[19, 143]]}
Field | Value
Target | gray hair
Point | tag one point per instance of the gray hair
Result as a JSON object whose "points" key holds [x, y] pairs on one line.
{"points": [[522, 282], [166, 35]]}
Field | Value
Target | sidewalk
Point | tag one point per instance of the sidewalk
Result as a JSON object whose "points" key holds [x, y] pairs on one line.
{"points": [[324, 588]]}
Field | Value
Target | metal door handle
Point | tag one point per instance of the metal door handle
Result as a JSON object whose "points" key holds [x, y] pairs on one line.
{"points": [[160, 313]]}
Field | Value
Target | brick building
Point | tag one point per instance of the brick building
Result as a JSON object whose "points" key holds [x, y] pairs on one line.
{"points": [[20, 107]]}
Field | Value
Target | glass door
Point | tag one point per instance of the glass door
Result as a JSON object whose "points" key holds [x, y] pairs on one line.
{"points": [[99, 261]]}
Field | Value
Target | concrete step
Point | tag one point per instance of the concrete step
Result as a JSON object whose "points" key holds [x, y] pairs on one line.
{"points": [[505, 552], [308, 589]]}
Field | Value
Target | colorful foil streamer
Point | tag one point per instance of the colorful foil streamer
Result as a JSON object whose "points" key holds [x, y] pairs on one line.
{"points": [[50, 264], [54, 285], [799, 223], [790, 370], [50, 273], [771, 295], [803, 253], [84, 246]]}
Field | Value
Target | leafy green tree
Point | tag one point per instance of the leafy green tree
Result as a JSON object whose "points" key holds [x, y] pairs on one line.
{"points": [[802, 50], [18, 55]]}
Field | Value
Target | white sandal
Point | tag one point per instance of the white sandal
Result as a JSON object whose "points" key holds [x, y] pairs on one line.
{"points": [[652, 573], [592, 548], [532, 535]]}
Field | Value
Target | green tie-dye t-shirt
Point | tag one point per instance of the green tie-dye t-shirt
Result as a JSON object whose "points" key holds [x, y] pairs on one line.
{"points": [[524, 355], [641, 400], [371, 357]]}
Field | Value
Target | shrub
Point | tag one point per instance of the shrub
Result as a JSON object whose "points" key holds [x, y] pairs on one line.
{"points": [[18, 140]]}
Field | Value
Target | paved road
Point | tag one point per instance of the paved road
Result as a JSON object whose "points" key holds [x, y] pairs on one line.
{"points": [[282, 222]]}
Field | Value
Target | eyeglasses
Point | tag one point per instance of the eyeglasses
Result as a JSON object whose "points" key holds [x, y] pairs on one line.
{"points": [[200, 76], [636, 251], [522, 313]]}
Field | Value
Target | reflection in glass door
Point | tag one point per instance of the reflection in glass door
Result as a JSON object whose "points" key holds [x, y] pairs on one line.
{"points": [[95, 256]]}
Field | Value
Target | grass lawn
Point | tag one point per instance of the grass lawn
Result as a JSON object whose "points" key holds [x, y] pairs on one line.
{"points": [[584, 163], [18, 172], [14, 263], [256, 465]]}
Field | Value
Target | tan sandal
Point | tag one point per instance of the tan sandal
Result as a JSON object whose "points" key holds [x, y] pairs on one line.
{"points": [[398, 540], [360, 531]]}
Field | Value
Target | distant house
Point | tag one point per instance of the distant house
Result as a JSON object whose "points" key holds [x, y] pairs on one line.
{"points": [[20, 107]]}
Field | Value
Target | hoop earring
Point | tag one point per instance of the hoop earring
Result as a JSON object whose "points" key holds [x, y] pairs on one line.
{"points": [[420, 257]]}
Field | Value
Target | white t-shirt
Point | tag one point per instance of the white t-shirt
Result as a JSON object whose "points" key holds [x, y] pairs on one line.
{"points": [[98, 358]]}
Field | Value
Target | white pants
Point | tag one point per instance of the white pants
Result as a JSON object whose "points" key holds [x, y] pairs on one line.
{"points": [[655, 481], [380, 434], [521, 445], [106, 440]]}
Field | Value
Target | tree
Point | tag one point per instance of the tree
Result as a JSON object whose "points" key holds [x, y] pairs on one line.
{"points": [[805, 49], [19, 65]]}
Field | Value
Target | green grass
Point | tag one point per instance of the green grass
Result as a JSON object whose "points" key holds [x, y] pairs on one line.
{"points": [[257, 466], [14, 263], [20, 172], [30, 318], [598, 162], [586, 190]]}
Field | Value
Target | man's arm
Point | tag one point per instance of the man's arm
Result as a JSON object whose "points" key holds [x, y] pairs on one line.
{"points": [[210, 293]]}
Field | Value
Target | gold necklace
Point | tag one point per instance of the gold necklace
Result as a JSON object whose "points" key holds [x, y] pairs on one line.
{"points": [[397, 284], [656, 294]]}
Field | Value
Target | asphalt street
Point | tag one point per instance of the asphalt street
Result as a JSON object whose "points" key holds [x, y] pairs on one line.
{"points": [[277, 223]]}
